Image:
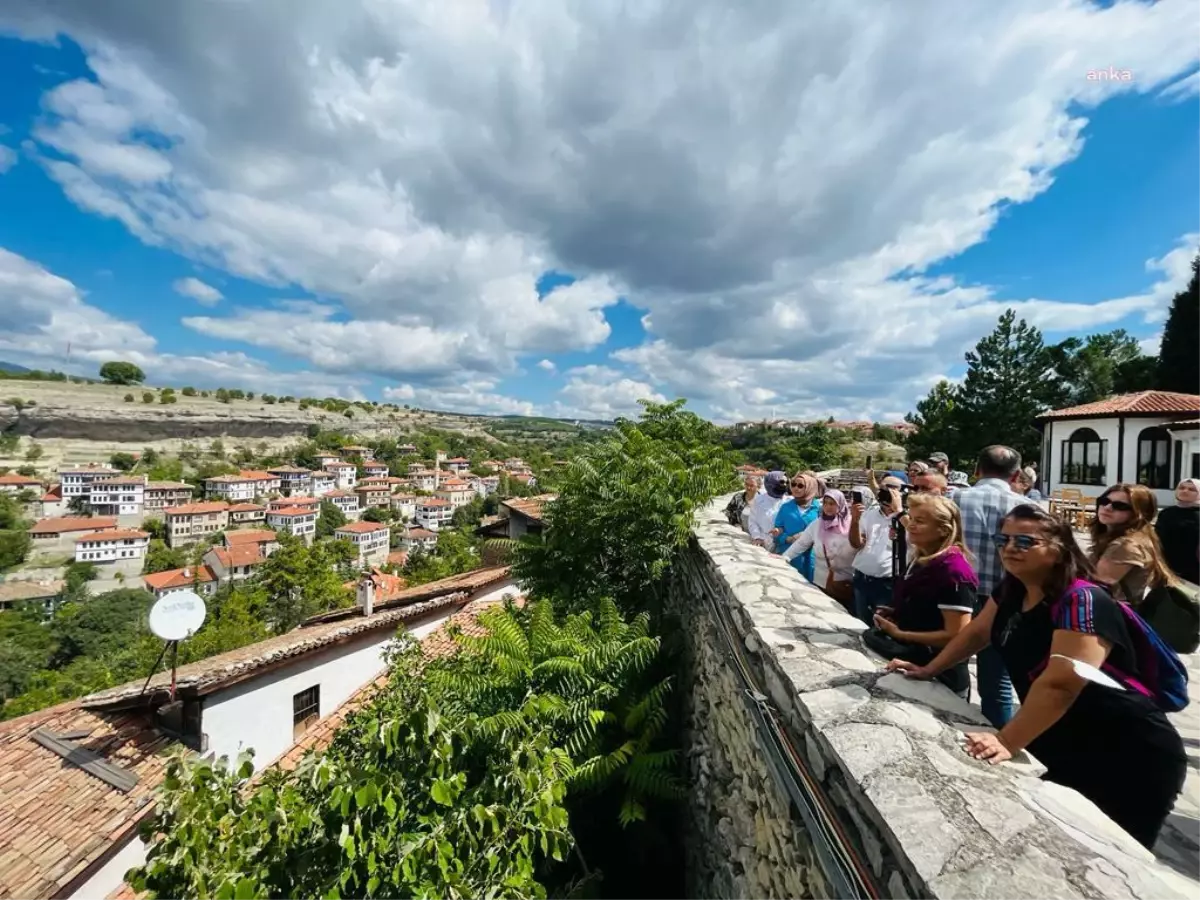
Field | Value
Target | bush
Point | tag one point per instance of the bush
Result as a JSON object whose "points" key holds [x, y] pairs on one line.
{"points": [[148, 396], [129, 398], [34, 453], [168, 398], [222, 395], [121, 373], [16, 403], [189, 392], [122, 461]]}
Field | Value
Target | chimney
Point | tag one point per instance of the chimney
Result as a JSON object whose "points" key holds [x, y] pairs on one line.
{"points": [[187, 573], [366, 594]]}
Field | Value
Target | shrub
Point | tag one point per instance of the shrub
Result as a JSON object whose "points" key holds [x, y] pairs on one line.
{"points": [[189, 391], [129, 398], [148, 396], [121, 373]]}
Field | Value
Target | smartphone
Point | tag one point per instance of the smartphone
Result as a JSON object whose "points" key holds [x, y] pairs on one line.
{"points": [[856, 496], [869, 466]]}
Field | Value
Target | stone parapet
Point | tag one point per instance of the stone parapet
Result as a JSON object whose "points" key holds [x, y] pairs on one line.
{"points": [[774, 666]]}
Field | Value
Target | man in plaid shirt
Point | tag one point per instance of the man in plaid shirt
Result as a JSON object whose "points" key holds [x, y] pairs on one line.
{"points": [[982, 508]]}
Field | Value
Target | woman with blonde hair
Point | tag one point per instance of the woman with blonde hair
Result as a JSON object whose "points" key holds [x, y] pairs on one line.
{"points": [[1125, 549], [936, 597]]}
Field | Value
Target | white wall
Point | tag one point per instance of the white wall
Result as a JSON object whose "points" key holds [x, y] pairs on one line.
{"points": [[110, 875], [1108, 430]]}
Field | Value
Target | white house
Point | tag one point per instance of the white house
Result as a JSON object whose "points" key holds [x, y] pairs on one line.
{"points": [[115, 546], [77, 481], [231, 488], [371, 539], [434, 513], [192, 521], [458, 464], [457, 491], [405, 506], [374, 470], [363, 453], [91, 767], [122, 496], [293, 480], [374, 493], [200, 579], [424, 479], [265, 484], [322, 483], [1150, 438], [346, 501], [414, 538], [12, 483], [161, 494], [300, 521], [345, 474]]}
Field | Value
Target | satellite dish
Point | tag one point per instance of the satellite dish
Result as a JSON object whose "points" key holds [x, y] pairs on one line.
{"points": [[177, 616]]}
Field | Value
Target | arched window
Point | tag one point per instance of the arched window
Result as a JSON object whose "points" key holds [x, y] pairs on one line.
{"points": [[1154, 458], [1084, 457]]}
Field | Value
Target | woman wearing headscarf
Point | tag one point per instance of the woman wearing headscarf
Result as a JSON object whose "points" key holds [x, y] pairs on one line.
{"points": [[1178, 529], [793, 517], [828, 539], [760, 520]]}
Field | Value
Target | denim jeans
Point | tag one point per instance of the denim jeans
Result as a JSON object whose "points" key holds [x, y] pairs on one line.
{"points": [[996, 696], [870, 592]]}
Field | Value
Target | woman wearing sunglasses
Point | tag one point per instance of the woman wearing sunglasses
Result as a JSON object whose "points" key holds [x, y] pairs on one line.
{"points": [[1054, 629], [1125, 548]]}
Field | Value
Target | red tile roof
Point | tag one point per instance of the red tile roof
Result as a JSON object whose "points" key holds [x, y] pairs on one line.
{"points": [[59, 819], [529, 507], [53, 493], [257, 475], [288, 470], [339, 465], [115, 534], [455, 585], [340, 494], [67, 524], [167, 486], [419, 534], [181, 578], [386, 586], [282, 502], [398, 558], [361, 527], [433, 501], [196, 509], [239, 555], [14, 478], [289, 511], [250, 536], [247, 507], [1144, 403]]}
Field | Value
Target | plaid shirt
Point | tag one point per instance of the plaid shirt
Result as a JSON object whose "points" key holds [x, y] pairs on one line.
{"points": [[982, 508]]}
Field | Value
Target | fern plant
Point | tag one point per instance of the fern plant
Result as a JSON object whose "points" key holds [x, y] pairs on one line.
{"points": [[587, 681]]}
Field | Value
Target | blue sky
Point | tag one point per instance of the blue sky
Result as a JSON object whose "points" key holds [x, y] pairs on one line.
{"points": [[490, 283]]}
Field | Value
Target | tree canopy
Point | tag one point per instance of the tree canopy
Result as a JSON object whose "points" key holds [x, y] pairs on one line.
{"points": [[1179, 354], [118, 372]]}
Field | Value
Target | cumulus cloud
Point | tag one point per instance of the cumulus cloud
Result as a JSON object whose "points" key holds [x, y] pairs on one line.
{"points": [[204, 294], [8, 158], [601, 392], [477, 396], [46, 323], [547, 366], [770, 183]]}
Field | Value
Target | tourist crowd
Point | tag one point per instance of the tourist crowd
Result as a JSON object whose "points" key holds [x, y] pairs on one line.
{"points": [[1075, 651]]}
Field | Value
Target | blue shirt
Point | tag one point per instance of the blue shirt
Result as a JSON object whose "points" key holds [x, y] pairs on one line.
{"points": [[982, 508], [793, 520]]}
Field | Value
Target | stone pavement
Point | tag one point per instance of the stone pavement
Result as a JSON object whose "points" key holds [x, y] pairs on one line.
{"points": [[1179, 844]]}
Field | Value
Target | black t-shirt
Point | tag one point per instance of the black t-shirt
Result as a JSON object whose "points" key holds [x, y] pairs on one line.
{"points": [[1178, 530], [1105, 730]]}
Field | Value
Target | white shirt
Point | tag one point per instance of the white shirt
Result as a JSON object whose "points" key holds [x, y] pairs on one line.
{"points": [[834, 546], [761, 518], [875, 557]]}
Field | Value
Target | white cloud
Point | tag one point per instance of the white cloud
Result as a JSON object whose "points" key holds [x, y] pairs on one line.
{"points": [[547, 366], [46, 323], [1183, 89], [600, 392], [204, 294], [768, 182], [8, 158], [477, 396]]}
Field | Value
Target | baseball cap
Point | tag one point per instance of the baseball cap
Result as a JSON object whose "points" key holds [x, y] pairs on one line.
{"points": [[938, 457]]}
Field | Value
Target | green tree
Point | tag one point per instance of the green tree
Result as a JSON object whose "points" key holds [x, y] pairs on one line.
{"points": [[161, 558], [188, 391], [101, 625], [937, 423], [329, 519], [1010, 380], [377, 514], [298, 581], [1100, 366], [34, 453], [625, 507], [14, 539], [1179, 354], [121, 373], [122, 461]]}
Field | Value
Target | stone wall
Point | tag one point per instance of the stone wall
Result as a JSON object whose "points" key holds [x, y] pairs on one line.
{"points": [[884, 755]]}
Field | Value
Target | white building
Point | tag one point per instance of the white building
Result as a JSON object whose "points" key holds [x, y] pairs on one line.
{"points": [[414, 538], [1150, 438], [434, 513], [346, 501], [300, 521], [12, 483], [121, 496], [231, 488], [161, 494], [405, 506], [191, 578], [345, 474], [322, 483], [458, 464], [115, 546], [324, 458], [293, 480], [458, 492], [266, 697], [265, 484], [194, 521], [374, 493], [424, 479], [371, 539], [374, 470], [235, 563], [77, 482], [364, 453]]}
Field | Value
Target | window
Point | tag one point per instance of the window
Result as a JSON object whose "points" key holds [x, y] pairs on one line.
{"points": [[1083, 458], [1154, 458], [306, 709]]}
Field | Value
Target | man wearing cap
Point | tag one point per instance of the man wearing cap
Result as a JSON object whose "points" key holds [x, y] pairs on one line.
{"points": [[954, 479]]}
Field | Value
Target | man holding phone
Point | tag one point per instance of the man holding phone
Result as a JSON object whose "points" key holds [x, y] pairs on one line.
{"points": [[870, 534]]}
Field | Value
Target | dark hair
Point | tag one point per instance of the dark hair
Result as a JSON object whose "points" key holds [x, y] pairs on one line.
{"points": [[1072, 564], [998, 461]]}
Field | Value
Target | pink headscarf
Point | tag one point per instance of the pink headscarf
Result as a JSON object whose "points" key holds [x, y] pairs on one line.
{"points": [[840, 522]]}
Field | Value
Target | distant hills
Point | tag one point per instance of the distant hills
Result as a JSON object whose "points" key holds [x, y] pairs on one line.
{"points": [[13, 367]]}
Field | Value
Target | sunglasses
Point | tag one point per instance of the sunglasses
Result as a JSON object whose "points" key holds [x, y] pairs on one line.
{"points": [[1020, 542], [1117, 505]]}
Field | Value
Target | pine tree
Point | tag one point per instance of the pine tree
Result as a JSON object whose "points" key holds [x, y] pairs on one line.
{"points": [[1010, 380], [1179, 358], [937, 426]]}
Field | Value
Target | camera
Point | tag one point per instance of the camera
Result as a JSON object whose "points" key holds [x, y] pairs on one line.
{"points": [[885, 497], [857, 496]]}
